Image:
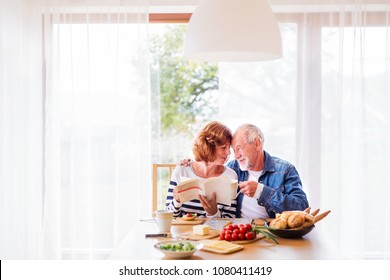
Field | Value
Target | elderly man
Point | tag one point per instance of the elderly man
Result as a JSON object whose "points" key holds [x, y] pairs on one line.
{"points": [[268, 185]]}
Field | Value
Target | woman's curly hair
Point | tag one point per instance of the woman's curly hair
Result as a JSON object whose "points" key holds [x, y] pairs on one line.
{"points": [[212, 135]]}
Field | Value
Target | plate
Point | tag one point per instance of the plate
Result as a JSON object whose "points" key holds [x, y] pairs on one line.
{"points": [[176, 254], [289, 233], [218, 223]]}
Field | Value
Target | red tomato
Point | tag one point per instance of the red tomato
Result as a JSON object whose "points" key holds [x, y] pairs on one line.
{"points": [[236, 226], [250, 235], [228, 237], [222, 236], [248, 227], [243, 230], [241, 236], [231, 227], [236, 231], [189, 215], [234, 236]]}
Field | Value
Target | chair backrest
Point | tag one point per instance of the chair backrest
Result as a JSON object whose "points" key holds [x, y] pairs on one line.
{"points": [[161, 173]]}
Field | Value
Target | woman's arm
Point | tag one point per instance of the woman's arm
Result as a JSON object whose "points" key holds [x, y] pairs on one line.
{"points": [[171, 203], [229, 211]]}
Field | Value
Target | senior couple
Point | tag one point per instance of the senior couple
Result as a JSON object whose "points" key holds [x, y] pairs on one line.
{"points": [[267, 184]]}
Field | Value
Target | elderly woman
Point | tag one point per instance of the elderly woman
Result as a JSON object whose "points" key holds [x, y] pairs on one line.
{"points": [[211, 150]]}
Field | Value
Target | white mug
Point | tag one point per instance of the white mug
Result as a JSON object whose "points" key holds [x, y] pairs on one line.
{"points": [[163, 219]]}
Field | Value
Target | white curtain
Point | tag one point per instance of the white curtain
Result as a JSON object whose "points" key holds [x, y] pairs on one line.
{"points": [[325, 108], [21, 131], [74, 126], [98, 129], [75, 120]]}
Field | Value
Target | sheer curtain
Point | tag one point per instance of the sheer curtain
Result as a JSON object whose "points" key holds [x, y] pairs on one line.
{"points": [[74, 126], [21, 131], [325, 108], [98, 123]]}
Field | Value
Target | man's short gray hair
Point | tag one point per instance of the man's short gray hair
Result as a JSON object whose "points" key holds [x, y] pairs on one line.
{"points": [[251, 132]]}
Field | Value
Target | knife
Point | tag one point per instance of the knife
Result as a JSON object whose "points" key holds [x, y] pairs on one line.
{"points": [[158, 235]]}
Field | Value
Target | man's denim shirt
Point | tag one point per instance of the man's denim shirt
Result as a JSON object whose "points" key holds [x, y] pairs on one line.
{"points": [[282, 186]]}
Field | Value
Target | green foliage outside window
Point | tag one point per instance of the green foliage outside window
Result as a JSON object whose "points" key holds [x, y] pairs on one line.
{"points": [[184, 97], [187, 89]]}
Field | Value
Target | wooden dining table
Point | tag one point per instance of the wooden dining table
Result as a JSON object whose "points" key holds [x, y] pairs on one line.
{"points": [[313, 246]]}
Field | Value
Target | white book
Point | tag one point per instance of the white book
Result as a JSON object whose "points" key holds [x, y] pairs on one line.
{"points": [[224, 187]]}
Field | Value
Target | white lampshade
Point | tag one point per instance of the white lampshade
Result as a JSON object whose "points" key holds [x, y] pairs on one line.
{"points": [[233, 31]]}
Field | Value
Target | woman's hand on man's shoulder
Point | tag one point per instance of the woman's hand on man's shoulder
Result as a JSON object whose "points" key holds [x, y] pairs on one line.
{"points": [[184, 162]]}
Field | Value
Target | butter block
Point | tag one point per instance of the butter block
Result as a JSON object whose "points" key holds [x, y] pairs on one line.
{"points": [[201, 229]]}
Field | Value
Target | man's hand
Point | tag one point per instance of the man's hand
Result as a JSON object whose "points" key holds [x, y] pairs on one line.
{"points": [[210, 206], [184, 162], [248, 188]]}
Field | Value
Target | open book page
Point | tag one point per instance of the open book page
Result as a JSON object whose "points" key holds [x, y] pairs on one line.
{"points": [[225, 189], [189, 189]]}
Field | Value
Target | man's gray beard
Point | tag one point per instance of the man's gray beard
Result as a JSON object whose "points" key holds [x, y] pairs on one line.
{"points": [[245, 167]]}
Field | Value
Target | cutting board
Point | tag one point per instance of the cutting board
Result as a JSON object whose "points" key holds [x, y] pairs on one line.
{"points": [[213, 233], [180, 221], [258, 237]]}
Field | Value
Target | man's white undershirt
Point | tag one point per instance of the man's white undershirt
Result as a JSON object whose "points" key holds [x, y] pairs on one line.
{"points": [[250, 208]]}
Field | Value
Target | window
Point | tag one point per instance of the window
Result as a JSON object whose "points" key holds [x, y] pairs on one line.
{"points": [[320, 107]]}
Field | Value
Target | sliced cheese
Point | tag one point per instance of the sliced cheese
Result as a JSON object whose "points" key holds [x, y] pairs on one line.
{"points": [[223, 246], [201, 229]]}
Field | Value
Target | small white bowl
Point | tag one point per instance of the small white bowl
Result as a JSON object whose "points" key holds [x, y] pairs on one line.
{"points": [[176, 254]]}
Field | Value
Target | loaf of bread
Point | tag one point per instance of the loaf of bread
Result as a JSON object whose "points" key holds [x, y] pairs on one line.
{"points": [[297, 219], [278, 223]]}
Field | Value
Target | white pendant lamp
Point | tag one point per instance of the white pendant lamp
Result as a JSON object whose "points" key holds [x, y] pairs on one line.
{"points": [[233, 31]]}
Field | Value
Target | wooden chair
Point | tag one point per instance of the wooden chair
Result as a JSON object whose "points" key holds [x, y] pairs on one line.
{"points": [[156, 173]]}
